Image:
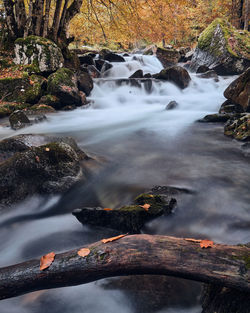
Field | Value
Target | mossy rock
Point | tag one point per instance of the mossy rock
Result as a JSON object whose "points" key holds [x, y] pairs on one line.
{"points": [[238, 127], [41, 108], [63, 76], [34, 93], [6, 108], [129, 218], [40, 52], [168, 57], [223, 48]]}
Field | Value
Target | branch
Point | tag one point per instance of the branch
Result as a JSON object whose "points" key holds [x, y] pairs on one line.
{"points": [[133, 255]]}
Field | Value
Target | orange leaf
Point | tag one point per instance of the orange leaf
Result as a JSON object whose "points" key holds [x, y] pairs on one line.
{"points": [[206, 244], [31, 82], [37, 159], [107, 209], [192, 240], [113, 238], [46, 260], [145, 206], [83, 252]]}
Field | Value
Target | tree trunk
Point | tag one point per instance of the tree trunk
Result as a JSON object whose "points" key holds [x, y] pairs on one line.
{"points": [[133, 255], [39, 19], [56, 22], [20, 16], [10, 17], [246, 19], [46, 18], [28, 27]]}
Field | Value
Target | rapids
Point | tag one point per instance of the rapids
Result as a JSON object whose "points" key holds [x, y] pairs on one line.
{"points": [[143, 145]]}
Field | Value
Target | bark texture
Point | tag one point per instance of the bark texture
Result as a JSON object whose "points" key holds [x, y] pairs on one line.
{"points": [[133, 255]]}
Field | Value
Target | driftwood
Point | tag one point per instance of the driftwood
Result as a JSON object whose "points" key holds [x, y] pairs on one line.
{"points": [[133, 255]]}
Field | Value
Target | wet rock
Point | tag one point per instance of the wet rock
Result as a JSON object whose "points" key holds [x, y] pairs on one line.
{"points": [[148, 75], [110, 56], [202, 69], [148, 85], [106, 66], [38, 164], [93, 71], [175, 74], [183, 54], [230, 107], [238, 127], [41, 108], [238, 91], [137, 74], [84, 82], [6, 108], [51, 101], [18, 119], [209, 74], [63, 85], [99, 63], [172, 105], [215, 118], [125, 54], [86, 59], [43, 53], [128, 218], [222, 48], [167, 57], [151, 50]]}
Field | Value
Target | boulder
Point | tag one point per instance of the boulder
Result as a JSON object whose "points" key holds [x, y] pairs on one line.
{"points": [[84, 82], [209, 74], [93, 71], [172, 105], [137, 74], [230, 107], [215, 118], [238, 127], [41, 108], [238, 91], [167, 57], [110, 56], [222, 48], [38, 164], [64, 85], [50, 100], [86, 59], [41, 52], [18, 119], [202, 69], [6, 108], [99, 64], [176, 74], [128, 218]]}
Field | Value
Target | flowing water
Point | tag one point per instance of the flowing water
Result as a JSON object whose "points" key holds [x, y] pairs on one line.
{"points": [[143, 145]]}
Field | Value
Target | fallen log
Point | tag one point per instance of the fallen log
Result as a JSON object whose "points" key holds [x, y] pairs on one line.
{"points": [[133, 255]]}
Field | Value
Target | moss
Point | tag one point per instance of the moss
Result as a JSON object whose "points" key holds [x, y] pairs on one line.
{"points": [[34, 39], [63, 76], [42, 108], [245, 258], [34, 92], [6, 108], [131, 208], [237, 43]]}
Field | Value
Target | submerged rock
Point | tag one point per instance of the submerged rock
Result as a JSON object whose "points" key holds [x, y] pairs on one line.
{"points": [[137, 74], [128, 218], [167, 57], [41, 52], [172, 105], [222, 48], [176, 74], [238, 91], [31, 164]]}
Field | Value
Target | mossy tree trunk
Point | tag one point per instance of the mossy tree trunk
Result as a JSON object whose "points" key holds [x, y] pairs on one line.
{"points": [[38, 21]]}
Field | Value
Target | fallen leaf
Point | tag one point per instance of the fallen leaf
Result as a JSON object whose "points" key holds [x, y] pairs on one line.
{"points": [[113, 238], [37, 159], [47, 149], [145, 206], [107, 209], [83, 252], [46, 260], [31, 82], [192, 240], [206, 243]]}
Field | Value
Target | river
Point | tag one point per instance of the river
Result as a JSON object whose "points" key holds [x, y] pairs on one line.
{"points": [[143, 145]]}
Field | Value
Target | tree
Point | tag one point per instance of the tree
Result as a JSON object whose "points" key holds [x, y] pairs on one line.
{"points": [[47, 18]]}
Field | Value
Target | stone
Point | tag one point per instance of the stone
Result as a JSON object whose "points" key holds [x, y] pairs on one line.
{"points": [[137, 74], [86, 59], [110, 56], [215, 118], [6, 108], [18, 119], [238, 91], [39, 51], [39, 164], [84, 82], [93, 71], [172, 105], [176, 74], [222, 48], [64, 85], [167, 57], [238, 127], [128, 218], [230, 107], [209, 74], [202, 69]]}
